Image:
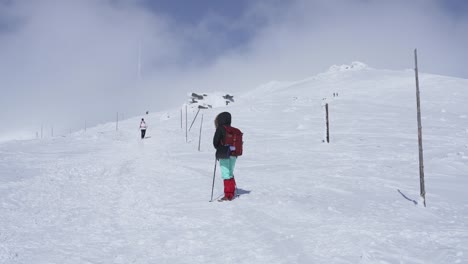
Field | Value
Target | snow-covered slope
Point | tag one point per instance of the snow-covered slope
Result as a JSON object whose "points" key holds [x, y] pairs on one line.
{"points": [[105, 196]]}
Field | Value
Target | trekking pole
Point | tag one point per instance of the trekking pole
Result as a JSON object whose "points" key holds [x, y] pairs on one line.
{"points": [[214, 174]]}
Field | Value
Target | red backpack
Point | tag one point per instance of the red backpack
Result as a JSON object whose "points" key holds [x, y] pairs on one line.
{"points": [[234, 138]]}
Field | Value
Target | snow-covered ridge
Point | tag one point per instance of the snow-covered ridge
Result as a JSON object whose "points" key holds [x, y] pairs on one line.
{"points": [[333, 72]]}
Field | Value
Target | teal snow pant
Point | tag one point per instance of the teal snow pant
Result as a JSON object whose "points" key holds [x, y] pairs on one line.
{"points": [[227, 173], [227, 167]]}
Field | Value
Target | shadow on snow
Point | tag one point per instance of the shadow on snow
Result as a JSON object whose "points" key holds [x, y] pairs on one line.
{"points": [[240, 191], [406, 197]]}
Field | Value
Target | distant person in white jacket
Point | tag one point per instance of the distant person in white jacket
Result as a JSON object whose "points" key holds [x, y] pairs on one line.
{"points": [[143, 128]]}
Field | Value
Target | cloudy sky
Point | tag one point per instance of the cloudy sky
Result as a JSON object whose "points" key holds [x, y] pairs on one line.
{"points": [[64, 62]]}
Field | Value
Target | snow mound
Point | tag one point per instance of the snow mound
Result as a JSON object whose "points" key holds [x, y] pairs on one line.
{"points": [[354, 66]]}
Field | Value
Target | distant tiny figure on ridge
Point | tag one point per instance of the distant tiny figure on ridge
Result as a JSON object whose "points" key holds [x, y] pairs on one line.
{"points": [[143, 127]]}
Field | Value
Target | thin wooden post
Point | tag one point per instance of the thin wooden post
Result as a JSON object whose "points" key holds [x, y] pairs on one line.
{"points": [[421, 158], [199, 138], [328, 125], [186, 123], [194, 119], [117, 123]]}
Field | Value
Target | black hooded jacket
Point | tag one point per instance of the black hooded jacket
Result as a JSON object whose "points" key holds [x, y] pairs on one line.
{"points": [[223, 119]]}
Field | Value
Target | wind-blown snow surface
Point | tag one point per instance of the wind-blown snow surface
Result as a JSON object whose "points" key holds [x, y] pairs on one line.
{"points": [[103, 196]]}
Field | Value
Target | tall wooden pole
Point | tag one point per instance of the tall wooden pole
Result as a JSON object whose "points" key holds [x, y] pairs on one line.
{"points": [[139, 62], [328, 125], [186, 123], [199, 138], [421, 159], [117, 122]]}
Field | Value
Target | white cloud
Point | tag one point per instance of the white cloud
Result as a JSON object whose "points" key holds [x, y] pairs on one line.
{"points": [[309, 36], [64, 62], [72, 60]]}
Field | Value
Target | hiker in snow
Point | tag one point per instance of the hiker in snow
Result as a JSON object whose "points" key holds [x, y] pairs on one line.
{"points": [[225, 153], [143, 128]]}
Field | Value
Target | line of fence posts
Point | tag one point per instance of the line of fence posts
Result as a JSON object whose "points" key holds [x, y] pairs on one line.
{"points": [[117, 125], [41, 135]]}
